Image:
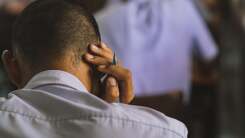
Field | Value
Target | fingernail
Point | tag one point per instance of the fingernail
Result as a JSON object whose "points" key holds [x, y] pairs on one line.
{"points": [[94, 48], [112, 82]]}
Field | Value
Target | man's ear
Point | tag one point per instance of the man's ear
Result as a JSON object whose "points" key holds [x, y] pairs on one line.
{"points": [[12, 68]]}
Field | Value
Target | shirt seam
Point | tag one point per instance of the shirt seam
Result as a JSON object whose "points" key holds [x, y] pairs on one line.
{"points": [[88, 116]]}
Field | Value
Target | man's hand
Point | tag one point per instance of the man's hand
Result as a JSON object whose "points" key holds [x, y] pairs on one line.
{"points": [[119, 83]]}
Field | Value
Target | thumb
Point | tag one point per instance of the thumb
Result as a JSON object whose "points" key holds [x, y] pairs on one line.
{"points": [[111, 90]]}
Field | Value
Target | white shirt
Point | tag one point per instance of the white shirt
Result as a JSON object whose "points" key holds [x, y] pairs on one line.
{"points": [[54, 104], [155, 40]]}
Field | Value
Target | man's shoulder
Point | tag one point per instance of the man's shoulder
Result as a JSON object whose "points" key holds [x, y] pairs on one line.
{"points": [[84, 107], [56, 104], [150, 118]]}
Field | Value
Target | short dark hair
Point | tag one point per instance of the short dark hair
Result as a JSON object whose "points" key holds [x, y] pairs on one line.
{"points": [[46, 29]]}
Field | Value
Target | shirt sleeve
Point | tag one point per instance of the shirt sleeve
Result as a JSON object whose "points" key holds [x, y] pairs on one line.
{"points": [[201, 35]]}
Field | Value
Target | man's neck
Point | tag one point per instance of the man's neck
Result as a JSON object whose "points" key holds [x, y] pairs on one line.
{"points": [[82, 72]]}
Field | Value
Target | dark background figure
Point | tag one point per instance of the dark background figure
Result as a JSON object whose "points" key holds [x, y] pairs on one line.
{"points": [[9, 10], [6, 21], [232, 68], [202, 112], [220, 112]]}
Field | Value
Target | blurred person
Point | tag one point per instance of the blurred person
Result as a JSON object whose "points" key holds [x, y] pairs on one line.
{"points": [[205, 78], [9, 10], [155, 39], [55, 61], [231, 119], [6, 21]]}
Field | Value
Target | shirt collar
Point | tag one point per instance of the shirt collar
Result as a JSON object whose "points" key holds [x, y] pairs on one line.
{"points": [[57, 77]]}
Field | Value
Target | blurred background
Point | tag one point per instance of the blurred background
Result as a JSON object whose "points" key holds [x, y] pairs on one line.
{"points": [[187, 56]]}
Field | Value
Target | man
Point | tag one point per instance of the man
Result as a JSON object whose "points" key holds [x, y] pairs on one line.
{"points": [[57, 78], [155, 39]]}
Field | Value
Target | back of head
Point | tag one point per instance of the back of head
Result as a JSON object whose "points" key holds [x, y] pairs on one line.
{"points": [[47, 29]]}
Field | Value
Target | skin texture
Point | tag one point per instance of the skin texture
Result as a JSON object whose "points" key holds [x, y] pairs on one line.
{"points": [[118, 84]]}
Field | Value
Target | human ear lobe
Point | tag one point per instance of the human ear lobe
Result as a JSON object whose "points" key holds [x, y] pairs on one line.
{"points": [[12, 68]]}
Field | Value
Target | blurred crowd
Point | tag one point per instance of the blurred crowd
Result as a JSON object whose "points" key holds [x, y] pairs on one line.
{"points": [[185, 55]]}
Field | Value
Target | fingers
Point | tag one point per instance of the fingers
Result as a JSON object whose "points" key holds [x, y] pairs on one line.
{"points": [[125, 78], [101, 50], [100, 55], [121, 84], [111, 90], [96, 60], [117, 71]]}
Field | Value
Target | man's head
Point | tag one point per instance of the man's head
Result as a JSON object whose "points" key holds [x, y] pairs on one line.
{"points": [[50, 34]]}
